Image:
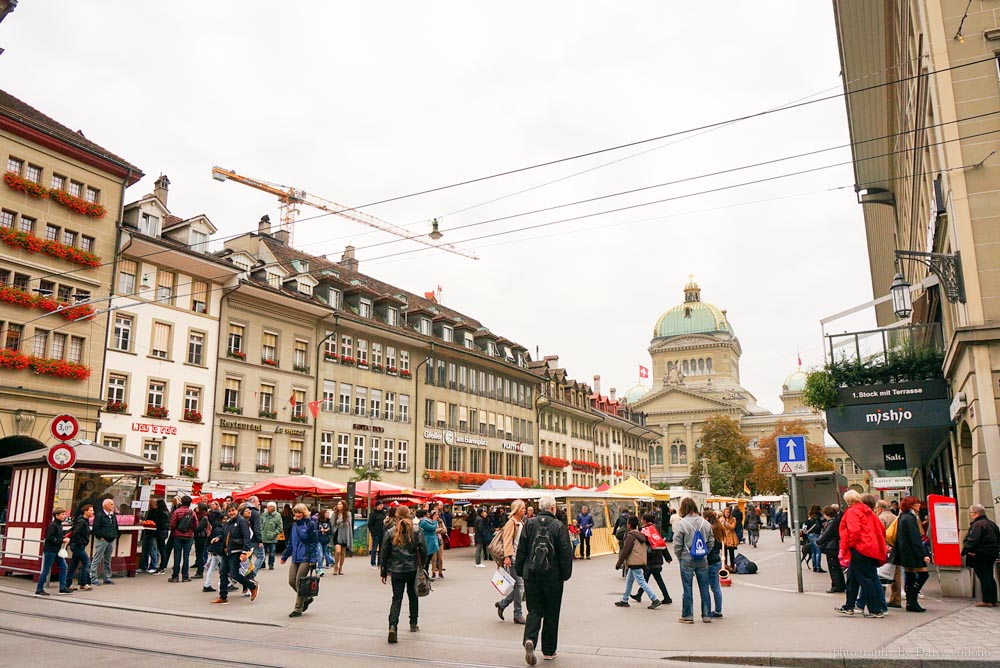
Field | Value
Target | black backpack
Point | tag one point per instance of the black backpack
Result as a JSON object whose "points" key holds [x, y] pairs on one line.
{"points": [[184, 523], [542, 555]]}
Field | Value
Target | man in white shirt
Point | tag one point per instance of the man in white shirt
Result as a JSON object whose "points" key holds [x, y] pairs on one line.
{"points": [[511, 537]]}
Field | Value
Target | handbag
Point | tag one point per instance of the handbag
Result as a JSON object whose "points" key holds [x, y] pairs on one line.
{"points": [[502, 581], [62, 554], [423, 580], [309, 584]]}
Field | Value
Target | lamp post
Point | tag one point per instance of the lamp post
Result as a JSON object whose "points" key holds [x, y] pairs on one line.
{"points": [[322, 342], [946, 266], [541, 401], [902, 304], [416, 408]]}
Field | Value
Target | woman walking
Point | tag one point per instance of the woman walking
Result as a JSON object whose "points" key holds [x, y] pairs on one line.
{"points": [[343, 535], [150, 551], [427, 523], [585, 522], [812, 528], [910, 552], [403, 552], [442, 535], [325, 527], [715, 561], [79, 540], [484, 534], [829, 543], [752, 525], [301, 545], [730, 540], [862, 551], [214, 548]]}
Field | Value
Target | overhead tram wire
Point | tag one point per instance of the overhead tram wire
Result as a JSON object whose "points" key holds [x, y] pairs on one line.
{"points": [[598, 151], [687, 195], [703, 176]]}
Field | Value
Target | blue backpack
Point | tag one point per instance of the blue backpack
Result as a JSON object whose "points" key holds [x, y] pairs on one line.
{"points": [[699, 550]]}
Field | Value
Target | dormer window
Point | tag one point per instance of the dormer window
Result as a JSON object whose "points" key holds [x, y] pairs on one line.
{"points": [[392, 316], [469, 341], [425, 326], [149, 225], [274, 279], [491, 349], [687, 311], [333, 298], [305, 288], [198, 241], [365, 308], [447, 334], [241, 262]]}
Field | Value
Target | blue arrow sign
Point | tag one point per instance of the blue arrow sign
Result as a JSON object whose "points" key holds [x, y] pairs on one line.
{"points": [[792, 456]]}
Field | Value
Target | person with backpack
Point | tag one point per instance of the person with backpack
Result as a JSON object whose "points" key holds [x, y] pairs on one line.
{"points": [[182, 526], [585, 522], [812, 528], [201, 532], [632, 557], [829, 543], [403, 552], [752, 525], [510, 537], [693, 540], [303, 547], [427, 522], [544, 560], [656, 554]]}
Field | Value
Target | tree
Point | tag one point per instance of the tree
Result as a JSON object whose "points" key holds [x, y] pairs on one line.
{"points": [[765, 476], [364, 473], [729, 460]]}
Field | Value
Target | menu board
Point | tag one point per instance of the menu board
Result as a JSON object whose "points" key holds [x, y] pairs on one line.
{"points": [[945, 523]]}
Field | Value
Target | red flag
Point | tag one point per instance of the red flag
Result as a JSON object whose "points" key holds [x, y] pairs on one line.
{"points": [[643, 372], [291, 400], [314, 408]]}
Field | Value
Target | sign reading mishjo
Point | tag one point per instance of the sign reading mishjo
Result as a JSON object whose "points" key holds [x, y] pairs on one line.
{"points": [[892, 416]]}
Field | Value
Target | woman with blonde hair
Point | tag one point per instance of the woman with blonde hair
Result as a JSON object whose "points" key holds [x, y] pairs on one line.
{"points": [[403, 551], [302, 546]]}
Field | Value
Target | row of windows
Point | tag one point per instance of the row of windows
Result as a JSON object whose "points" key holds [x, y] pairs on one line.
{"points": [[365, 402], [152, 449], [157, 394], [46, 288], [678, 453], [357, 450], [464, 379], [232, 399], [165, 285], [376, 354], [438, 456], [42, 343], [21, 223], [34, 173], [444, 415], [160, 342], [264, 454], [693, 367]]}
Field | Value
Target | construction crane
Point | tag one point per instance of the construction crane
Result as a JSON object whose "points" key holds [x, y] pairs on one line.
{"points": [[289, 199]]}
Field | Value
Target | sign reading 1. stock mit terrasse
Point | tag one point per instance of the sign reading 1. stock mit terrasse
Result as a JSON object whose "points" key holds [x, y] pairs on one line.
{"points": [[893, 393]]}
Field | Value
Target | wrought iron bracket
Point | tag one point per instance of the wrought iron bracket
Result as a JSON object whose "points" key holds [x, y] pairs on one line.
{"points": [[947, 267]]}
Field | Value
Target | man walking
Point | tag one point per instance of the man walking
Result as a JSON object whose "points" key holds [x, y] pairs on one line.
{"points": [[270, 528], [633, 557], [182, 525], [738, 516], [981, 548], [887, 517], [545, 561], [236, 548], [376, 527], [585, 521], [511, 538], [105, 534]]}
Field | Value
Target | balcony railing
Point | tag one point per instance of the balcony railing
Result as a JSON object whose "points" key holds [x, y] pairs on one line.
{"points": [[899, 354]]}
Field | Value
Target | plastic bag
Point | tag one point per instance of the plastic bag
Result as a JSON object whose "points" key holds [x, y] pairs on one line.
{"points": [[502, 581]]}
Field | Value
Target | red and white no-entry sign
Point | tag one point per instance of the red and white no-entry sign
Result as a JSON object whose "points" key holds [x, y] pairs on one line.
{"points": [[65, 427]]}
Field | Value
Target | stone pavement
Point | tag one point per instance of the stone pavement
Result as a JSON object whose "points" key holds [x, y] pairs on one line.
{"points": [[766, 621]]}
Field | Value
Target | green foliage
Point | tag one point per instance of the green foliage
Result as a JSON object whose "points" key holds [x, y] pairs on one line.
{"points": [[766, 478], [729, 460], [364, 473], [905, 364]]}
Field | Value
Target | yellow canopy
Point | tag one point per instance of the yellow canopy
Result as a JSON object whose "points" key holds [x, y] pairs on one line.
{"points": [[636, 488]]}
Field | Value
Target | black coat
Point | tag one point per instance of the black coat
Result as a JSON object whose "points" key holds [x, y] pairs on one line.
{"points": [[829, 539], [983, 541], [909, 550], [104, 526], [403, 558], [219, 532], [236, 536], [376, 522], [80, 536], [558, 536], [53, 536]]}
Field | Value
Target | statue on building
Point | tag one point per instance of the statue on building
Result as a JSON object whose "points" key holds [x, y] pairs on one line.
{"points": [[675, 376]]}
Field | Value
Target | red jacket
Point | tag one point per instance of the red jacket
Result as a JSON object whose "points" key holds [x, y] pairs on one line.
{"points": [[175, 518], [862, 530]]}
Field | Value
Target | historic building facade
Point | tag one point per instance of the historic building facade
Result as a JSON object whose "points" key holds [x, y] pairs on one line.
{"points": [[163, 342], [61, 198]]}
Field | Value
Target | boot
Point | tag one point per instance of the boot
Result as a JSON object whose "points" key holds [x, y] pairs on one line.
{"points": [[912, 590]]}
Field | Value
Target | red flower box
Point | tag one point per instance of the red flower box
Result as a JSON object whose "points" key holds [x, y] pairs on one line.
{"points": [[38, 191], [554, 462], [11, 359], [192, 416], [116, 407], [157, 412], [32, 244]]}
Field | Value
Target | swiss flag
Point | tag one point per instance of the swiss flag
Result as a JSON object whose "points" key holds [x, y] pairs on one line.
{"points": [[643, 372], [314, 408]]}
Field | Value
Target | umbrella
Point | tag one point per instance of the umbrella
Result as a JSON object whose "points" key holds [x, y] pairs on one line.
{"points": [[290, 487], [379, 488]]}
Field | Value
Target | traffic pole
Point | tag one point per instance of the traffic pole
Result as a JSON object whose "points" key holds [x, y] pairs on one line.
{"points": [[794, 513]]}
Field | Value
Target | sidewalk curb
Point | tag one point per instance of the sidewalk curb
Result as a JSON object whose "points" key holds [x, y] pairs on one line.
{"points": [[863, 659]]}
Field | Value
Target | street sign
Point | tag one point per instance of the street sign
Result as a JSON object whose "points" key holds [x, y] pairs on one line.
{"points": [[792, 457], [61, 456], [64, 427]]}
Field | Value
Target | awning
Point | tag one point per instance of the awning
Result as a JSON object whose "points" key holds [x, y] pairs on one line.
{"points": [[90, 457], [291, 487], [637, 489]]}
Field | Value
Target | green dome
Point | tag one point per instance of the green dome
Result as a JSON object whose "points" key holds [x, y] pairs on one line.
{"points": [[795, 382], [692, 317], [635, 393]]}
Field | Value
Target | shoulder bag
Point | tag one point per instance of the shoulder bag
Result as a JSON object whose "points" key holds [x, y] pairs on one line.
{"points": [[309, 584], [423, 580]]}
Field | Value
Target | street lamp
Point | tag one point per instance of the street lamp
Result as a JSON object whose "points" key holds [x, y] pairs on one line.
{"points": [[946, 266], [902, 305]]}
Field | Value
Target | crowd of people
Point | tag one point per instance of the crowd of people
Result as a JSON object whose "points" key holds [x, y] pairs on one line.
{"points": [[867, 543]]}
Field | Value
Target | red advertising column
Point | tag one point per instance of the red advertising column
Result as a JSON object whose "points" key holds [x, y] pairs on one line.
{"points": [[943, 513]]}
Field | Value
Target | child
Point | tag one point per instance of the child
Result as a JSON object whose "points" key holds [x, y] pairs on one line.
{"points": [[574, 534], [55, 541]]}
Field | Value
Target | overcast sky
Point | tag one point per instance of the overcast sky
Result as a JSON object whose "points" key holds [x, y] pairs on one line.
{"points": [[359, 102]]}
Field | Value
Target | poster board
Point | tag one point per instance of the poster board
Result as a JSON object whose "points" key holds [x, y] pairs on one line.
{"points": [[945, 543]]}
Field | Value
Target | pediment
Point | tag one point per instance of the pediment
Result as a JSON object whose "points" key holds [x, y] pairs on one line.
{"points": [[674, 399]]}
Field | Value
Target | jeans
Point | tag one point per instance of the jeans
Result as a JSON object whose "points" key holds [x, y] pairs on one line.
{"points": [[987, 582], [82, 560], [401, 581], [213, 562], [182, 555], [863, 574], [814, 552], [150, 552], [715, 586], [482, 551], [49, 559], [199, 554], [297, 571], [584, 546], [269, 550], [634, 574], [231, 570], [837, 582], [544, 599], [325, 558], [103, 550], [655, 573], [691, 569], [515, 595], [376, 548]]}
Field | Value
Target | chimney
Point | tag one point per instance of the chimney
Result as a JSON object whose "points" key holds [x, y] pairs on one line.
{"points": [[281, 236], [597, 385], [160, 188], [348, 260], [612, 395], [264, 225]]}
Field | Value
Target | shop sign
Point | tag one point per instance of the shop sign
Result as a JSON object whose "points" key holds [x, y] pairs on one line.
{"points": [[880, 417], [894, 457], [148, 428], [917, 390], [471, 440], [366, 427], [515, 446], [892, 482], [289, 431], [433, 435], [233, 424]]}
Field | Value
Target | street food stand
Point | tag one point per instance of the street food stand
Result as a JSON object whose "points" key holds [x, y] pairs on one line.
{"points": [[36, 488]]}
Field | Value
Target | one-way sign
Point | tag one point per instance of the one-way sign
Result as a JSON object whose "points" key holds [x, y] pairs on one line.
{"points": [[792, 456]]}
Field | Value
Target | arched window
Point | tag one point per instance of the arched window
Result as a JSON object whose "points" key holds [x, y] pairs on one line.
{"points": [[701, 367], [840, 466], [684, 454], [659, 455], [687, 368], [674, 455], [708, 365]]}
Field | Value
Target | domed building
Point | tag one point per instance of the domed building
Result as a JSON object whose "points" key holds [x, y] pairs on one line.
{"points": [[696, 375]]}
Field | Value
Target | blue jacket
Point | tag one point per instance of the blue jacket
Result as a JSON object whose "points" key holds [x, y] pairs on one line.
{"points": [[301, 546], [586, 524], [429, 528]]}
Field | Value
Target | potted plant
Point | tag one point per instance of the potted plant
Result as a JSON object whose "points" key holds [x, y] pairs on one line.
{"points": [[405, 373], [301, 368], [330, 357], [269, 361], [300, 418], [191, 415], [116, 406], [236, 354], [189, 471], [160, 412], [235, 410], [264, 468], [229, 466], [270, 415]]}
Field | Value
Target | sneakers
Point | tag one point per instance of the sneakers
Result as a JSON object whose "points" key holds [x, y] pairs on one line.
{"points": [[254, 592], [208, 589], [484, 566], [621, 604], [637, 597], [529, 653], [414, 628], [716, 615], [221, 601], [707, 620], [109, 582], [42, 593], [655, 604], [844, 610], [876, 615], [65, 591], [499, 610], [173, 580], [685, 620], [294, 613], [152, 571], [246, 592], [392, 635], [185, 579]]}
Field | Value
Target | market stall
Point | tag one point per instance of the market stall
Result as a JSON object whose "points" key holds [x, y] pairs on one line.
{"points": [[291, 487], [36, 488]]}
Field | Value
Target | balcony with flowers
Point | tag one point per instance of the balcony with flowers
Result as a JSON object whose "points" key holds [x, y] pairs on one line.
{"points": [[347, 360], [553, 462], [301, 419], [18, 297], [264, 468], [234, 410], [61, 197], [267, 415], [229, 466], [585, 466], [16, 361], [235, 354], [269, 361], [464, 478], [330, 357]]}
